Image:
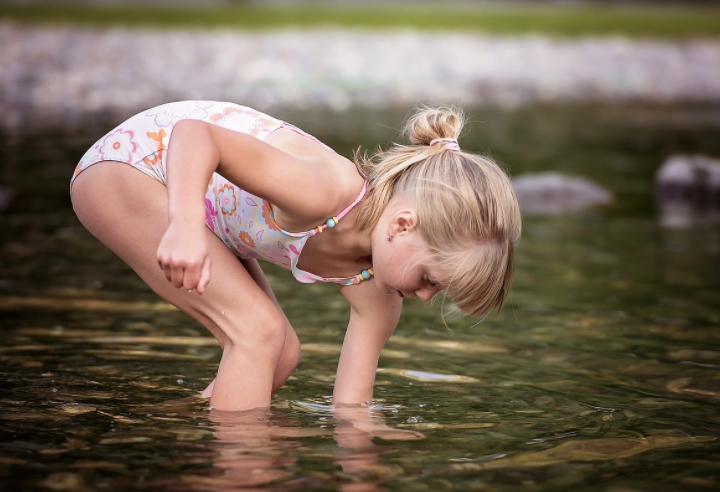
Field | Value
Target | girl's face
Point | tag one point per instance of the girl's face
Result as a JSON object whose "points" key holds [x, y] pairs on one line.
{"points": [[403, 266]]}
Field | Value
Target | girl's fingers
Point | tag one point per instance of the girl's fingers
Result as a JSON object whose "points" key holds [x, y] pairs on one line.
{"points": [[177, 276], [167, 271], [204, 275], [192, 276]]}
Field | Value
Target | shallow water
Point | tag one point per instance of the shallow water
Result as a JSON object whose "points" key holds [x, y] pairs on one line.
{"points": [[602, 372]]}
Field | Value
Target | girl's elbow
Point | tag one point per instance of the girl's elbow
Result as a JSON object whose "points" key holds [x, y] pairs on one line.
{"points": [[194, 137], [189, 127]]}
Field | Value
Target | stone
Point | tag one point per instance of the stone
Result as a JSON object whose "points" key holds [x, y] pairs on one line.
{"points": [[687, 190], [552, 193], [77, 408]]}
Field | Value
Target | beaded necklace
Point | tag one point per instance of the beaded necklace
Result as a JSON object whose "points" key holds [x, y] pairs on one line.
{"points": [[332, 222], [307, 277]]}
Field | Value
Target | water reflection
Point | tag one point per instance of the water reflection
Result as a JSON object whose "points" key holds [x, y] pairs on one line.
{"points": [[587, 450], [359, 457], [255, 447], [262, 447]]}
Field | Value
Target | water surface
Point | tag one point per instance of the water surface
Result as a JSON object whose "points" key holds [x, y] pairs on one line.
{"points": [[602, 372]]}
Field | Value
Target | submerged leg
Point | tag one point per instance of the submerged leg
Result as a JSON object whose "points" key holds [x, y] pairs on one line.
{"points": [[128, 212], [291, 349]]}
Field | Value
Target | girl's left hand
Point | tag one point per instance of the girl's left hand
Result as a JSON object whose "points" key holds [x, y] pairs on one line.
{"points": [[184, 257]]}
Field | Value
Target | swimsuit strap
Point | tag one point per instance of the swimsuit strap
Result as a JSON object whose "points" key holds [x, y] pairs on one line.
{"points": [[365, 274], [336, 218], [331, 222], [305, 134]]}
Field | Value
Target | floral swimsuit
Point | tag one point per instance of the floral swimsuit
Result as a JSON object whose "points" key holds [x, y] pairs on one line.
{"points": [[244, 222]]}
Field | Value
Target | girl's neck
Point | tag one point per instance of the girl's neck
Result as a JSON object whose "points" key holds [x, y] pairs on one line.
{"points": [[341, 251], [353, 243]]}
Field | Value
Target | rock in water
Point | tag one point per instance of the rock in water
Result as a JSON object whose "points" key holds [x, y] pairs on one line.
{"points": [[687, 190], [77, 408], [555, 193]]}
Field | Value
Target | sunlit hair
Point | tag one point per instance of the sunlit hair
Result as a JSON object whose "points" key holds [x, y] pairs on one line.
{"points": [[467, 210]]}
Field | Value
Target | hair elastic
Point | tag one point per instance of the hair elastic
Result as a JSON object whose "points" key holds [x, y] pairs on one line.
{"points": [[451, 143]]}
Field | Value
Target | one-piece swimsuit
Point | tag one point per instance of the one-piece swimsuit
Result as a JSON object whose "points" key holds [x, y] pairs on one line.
{"points": [[243, 221]]}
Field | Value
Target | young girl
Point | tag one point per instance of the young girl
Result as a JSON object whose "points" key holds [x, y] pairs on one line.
{"points": [[220, 185]]}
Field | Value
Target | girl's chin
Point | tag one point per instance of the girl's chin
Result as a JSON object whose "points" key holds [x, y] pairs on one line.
{"points": [[387, 289]]}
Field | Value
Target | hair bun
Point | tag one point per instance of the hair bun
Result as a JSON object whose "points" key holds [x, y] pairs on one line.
{"points": [[428, 124]]}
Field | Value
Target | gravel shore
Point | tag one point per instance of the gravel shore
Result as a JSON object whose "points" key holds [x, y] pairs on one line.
{"points": [[48, 72]]}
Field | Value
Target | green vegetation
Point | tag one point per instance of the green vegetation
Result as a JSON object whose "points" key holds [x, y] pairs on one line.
{"points": [[673, 23]]}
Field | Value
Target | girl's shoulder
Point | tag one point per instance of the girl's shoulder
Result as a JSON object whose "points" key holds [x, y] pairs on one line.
{"points": [[338, 180]]}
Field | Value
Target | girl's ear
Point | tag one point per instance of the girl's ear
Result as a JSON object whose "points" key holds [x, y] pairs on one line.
{"points": [[404, 220]]}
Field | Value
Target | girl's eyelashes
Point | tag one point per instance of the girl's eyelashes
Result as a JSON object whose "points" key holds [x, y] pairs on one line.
{"points": [[431, 282]]}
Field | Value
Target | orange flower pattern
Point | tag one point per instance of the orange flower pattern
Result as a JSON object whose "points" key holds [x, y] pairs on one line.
{"points": [[227, 199], [247, 239], [267, 216], [157, 157]]}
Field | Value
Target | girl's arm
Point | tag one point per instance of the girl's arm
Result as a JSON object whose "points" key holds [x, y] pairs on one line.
{"points": [[373, 318], [303, 188]]}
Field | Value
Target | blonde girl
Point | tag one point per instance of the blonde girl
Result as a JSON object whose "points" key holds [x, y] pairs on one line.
{"points": [[221, 185]]}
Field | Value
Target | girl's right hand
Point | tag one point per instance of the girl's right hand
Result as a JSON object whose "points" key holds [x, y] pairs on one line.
{"points": [[183, 255]]}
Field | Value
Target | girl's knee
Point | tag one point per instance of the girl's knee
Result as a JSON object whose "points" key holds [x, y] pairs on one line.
{"points": [[292, 350], [288, 361], [262, 331]]}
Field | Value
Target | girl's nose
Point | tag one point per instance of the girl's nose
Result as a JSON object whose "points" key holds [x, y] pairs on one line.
{"points": [[425, 294]]}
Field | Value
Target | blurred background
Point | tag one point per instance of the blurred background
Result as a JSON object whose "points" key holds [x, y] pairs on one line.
{"points": [[601, 371]]}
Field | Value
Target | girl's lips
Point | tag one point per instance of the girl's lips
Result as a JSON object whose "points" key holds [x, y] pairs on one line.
{"points": [[400, 294]]}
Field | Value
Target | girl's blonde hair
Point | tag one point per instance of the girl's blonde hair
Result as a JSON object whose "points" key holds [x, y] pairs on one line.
{"points": [[467, 210]]}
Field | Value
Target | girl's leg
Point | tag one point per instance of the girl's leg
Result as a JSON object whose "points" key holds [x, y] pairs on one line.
{"points": [[291, 349], [128, 212]]}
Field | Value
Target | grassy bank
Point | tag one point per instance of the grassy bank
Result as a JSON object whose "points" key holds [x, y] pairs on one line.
{"points": [[675, 23]]}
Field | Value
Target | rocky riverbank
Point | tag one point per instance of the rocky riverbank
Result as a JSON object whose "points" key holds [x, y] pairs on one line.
{"points": [[52, 73]]}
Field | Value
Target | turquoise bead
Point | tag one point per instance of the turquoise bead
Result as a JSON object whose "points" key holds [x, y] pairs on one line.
{"points": [[330, 223], [365, 274]]}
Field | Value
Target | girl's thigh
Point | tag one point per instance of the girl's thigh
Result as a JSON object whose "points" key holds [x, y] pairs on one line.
{"points": [[128, 212]]}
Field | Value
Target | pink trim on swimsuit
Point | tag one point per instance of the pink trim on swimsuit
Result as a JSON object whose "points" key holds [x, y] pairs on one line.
{"points": [[307, 277]]}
